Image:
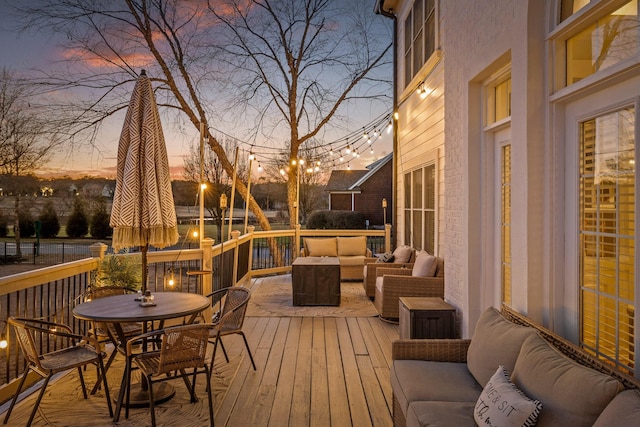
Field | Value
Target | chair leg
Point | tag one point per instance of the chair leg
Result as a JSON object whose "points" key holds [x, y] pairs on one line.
{"points": [[123, 388], [224, 351], [102, 372], [151, 405], [84, 387], [15, 396], [208, 372], [35, 406], [246, 344]]}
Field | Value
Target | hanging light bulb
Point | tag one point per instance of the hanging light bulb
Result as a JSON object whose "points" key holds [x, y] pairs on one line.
{"points": [[355, 153], [348, 166], [371, 150], [396, 115], [341, 158], [294, 162], [171, 281], [282, 171], [365, 135], [375, 133], [251, 155], [317, 169], [301, 161], [259, 167], [389, 127], [348, 150]]}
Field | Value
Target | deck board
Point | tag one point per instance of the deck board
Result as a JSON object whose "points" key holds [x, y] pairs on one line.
{"points": [[311, 371]]}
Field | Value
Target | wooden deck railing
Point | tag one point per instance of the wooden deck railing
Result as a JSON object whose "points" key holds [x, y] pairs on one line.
{"points": [[52, 292]]}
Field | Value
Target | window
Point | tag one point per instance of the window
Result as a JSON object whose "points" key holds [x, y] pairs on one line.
{"points": [[420, 208], [419, 37], [505, 223], [607, 236], [569, 7], [607, 41], [498, 100]]}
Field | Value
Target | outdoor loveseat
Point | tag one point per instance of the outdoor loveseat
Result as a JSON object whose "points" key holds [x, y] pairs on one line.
{"points": [[351, 251], [448, 382]]}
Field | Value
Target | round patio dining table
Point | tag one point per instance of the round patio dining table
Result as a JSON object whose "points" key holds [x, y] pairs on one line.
{"points": [[118, 309]]}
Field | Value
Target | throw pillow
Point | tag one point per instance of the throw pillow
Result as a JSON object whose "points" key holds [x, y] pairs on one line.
{"points": [[386, 257], [402, 253], [321, 247], [425, 265], [572, 394], [496, 341], [352, 246], [501, 403]]}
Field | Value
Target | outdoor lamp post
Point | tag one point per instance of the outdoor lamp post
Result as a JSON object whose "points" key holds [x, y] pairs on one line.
{"points": [[223, 207], [384, 207]]}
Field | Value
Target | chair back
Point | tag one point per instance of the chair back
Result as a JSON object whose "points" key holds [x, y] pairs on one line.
{"points": [[183, 347], [234, 308], [26, 340], [104, 291]]}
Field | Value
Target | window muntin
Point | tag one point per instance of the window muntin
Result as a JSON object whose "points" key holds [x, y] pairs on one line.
{"points": [[419, 37], [608, 41], [607, 236], [420, 208]]}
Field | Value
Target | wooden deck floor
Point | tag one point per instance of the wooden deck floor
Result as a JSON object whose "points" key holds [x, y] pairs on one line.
{"points": [[311, 371]]}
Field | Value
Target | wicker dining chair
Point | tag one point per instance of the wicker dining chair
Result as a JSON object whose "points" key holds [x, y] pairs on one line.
{"points": [[82, 350], [105, 333], [230, 306], [182, 348]]}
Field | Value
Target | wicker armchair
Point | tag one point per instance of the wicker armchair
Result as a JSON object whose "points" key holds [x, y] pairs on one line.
{"points": [[182, 348], [393, 283], [372, 264], [230, 306], [81, 352]]}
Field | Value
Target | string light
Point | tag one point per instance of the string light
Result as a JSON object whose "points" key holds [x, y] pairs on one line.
{"points": [[348, 150], [259, 167], [389, 127]]}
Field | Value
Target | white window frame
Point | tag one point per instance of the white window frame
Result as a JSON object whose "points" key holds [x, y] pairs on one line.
{"points": [[408, 211], [402, 36]]}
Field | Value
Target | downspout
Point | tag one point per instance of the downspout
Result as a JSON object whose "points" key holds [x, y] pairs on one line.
{"points": [[380, 10]]}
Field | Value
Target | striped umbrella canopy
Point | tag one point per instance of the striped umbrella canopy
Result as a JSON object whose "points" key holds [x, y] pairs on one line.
{"points": [[143, 212]]}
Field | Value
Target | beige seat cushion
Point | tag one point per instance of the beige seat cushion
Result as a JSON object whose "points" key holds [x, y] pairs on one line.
{"points": [[321, 247], [352, 260], [495, 342], [440, 414], [421, 380], [352, 246], [571, 394]]}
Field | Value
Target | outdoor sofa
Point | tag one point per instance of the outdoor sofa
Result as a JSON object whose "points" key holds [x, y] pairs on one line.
{"points": [[351, 251], [448, 382]]}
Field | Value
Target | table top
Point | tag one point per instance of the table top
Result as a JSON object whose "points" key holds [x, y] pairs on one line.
{"points": [[425, 303], [316, 260], [124, 308]]}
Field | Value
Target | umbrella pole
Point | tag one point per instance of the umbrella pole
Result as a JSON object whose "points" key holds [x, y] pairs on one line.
{"points": [[144, 250]]}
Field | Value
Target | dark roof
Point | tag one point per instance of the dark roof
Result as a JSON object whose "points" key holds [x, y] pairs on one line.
{"points": [[342, 180], [350, 180]]}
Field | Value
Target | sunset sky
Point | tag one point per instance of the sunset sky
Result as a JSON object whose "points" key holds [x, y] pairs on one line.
{"points": [[24, 51]]}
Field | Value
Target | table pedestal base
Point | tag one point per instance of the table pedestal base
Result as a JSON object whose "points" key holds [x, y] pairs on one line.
{"points": [[140, 397]]}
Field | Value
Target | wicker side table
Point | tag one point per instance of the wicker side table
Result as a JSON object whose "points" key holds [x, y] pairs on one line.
{"points": [[422, 317]]}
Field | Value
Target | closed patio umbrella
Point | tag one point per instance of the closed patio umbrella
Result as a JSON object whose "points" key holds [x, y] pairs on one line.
{"points": [[143, 212]]}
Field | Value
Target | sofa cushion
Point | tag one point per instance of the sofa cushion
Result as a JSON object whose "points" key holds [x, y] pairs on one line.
{"points": [[321, 247], [402, 254], [379, 282], [623, 411], [352, 260], [425, 265], [416, 380], [352, 246], [502, 404], [571, 394], [495, 342], [440, 414]]}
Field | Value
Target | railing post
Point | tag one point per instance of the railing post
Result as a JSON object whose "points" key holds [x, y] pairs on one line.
{"points": [[387, 238], [235, 235], [98, 250], [250, 230], [206, 245], [297, 240]]}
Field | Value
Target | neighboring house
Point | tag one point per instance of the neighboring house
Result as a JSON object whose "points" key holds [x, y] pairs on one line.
{"points": [[363, 190], [523, 117]]}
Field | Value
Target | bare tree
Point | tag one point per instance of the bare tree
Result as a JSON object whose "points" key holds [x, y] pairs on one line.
{"points": [[26, 140], [297, 62], [185, 47]]}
